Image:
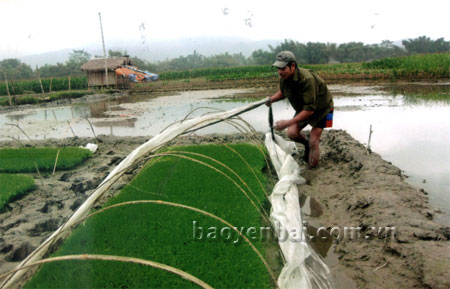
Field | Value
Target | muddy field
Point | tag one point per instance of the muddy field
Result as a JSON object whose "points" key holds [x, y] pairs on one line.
{"points": [[351, 188]]}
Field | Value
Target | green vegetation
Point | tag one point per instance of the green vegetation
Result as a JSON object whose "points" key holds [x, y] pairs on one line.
{"points": [[386, 61], [306, 53], [21, 160], [13, 187], [167, 234], [33, 86], [424, 65], [309, 53], [39, 98], [229, 73], [437, 64]]}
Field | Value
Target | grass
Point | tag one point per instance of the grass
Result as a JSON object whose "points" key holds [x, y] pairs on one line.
{"points": [[22, 160], [165, 234], [13, 187]]}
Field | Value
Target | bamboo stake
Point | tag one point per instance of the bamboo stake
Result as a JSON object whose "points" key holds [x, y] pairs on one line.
{"points": [[68, 122], [7, 89], [104, 50], [50, 88], [39, 78], [69, 82], [370, 137], [56, 162], [92, 128]]}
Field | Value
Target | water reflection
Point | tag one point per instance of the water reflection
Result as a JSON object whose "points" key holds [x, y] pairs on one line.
{"points": [[421, 93]]}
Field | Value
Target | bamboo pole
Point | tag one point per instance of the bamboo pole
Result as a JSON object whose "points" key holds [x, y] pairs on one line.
{"points": [[13, 91], [50, 86], [69, 81], [39, 78], [7, 89], [104, 50], [370, 137], [149, 263]]}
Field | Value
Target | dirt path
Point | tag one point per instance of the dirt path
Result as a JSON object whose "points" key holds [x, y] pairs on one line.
{"points": [[351, 188]]}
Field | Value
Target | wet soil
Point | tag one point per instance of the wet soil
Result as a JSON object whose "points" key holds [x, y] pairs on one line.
{"points": [[354, 188], [350, 188]]}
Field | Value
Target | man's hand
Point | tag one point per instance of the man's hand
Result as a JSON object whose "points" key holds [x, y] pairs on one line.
{"points": [[281, 124], [269, 101]]}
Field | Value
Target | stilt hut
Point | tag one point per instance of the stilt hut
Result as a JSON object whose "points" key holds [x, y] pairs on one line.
{"points": [[95, 69]]}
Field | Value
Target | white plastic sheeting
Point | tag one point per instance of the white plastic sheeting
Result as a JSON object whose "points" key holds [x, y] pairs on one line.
{"points": [[91, 146], [303, 267]]}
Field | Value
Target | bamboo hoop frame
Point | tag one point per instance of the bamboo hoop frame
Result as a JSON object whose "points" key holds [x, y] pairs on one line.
{"points": [[152, 145], [84, 257]]}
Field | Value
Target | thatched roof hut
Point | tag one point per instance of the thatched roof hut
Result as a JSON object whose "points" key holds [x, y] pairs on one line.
{"points": [[95, 69], [98, 64]]}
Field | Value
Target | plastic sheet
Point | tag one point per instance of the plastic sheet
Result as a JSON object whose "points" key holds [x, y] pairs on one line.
{"points": [[303, 267]]}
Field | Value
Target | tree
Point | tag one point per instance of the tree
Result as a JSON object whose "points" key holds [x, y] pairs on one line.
{"points": [[261, 57], [297, 48], [331, 50], [424, 44], [15, 69], [316, 53], [117, 53], [351, 52], [76, 59]]}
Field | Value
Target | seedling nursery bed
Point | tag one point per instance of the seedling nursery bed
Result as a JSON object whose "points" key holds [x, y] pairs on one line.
{"points": [[33, 160], [14, 186], [183, 209]]}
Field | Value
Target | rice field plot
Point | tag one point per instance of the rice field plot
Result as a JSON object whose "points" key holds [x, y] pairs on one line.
{"points": [[26, 160], [13, 187], [161, 216]]}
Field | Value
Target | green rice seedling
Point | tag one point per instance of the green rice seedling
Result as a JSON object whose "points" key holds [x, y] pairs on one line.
{"points": [[21, 160], [156, 224], [13, 187]]}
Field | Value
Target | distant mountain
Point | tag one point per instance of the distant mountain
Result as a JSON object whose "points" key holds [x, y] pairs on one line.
{"points": [[52, 57], [159, 50]]}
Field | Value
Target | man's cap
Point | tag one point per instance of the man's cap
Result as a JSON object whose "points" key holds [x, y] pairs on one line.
{"points": [[283, 58]]}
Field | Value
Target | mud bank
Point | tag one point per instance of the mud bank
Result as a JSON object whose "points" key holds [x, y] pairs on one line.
{"points": [[351, 188]]}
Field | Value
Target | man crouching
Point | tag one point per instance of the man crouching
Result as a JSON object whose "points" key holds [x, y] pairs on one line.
{"points": [[311, 100]]}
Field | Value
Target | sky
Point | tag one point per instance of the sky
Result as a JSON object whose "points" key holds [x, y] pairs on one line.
{"points": [[33, 27]]}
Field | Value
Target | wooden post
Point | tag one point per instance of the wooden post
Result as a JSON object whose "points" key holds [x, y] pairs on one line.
{"points": [[370, 137], [7, 89], [104, 50], [12, 88], [69, 82], [39, 78]]}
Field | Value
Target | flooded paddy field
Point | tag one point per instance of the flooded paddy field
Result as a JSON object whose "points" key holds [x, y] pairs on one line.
{"points": [[408, 190]]}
